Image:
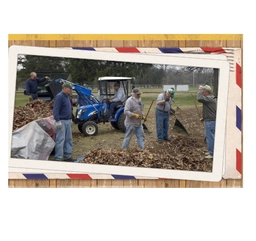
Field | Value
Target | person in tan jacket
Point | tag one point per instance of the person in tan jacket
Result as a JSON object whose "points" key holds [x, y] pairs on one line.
{"points": [[133, 120]]}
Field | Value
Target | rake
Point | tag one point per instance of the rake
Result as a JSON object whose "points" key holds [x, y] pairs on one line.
{"points": [[177, 107], [143, 124], [198, 113], [178, 125]]}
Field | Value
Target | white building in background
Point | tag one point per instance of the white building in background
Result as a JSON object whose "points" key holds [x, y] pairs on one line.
{"points": [[182, 88], [166, 87], [178, 87]]}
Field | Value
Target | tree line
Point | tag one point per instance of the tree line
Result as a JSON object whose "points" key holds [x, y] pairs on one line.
{"points": [[83, 71]]}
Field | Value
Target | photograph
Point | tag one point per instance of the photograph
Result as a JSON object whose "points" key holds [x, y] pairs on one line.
{"points": [[118, 114]]}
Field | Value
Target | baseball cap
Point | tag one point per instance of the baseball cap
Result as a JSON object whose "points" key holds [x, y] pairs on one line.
{"points": [[170, 91], [66, 85], [136, 91], [208, 88]]}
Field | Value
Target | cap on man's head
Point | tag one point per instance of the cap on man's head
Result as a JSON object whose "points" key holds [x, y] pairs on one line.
{"points": [[136, 91], [208, 88], [116, 84], [66, 85], [170, 91]]}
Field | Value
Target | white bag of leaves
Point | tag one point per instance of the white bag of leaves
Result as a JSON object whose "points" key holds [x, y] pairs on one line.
{"points": [[32, 142]]}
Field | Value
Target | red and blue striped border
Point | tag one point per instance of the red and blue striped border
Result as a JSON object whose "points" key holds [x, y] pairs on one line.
{"points": [[160, 50], [239, 118], [205, 50], [74, 176]]}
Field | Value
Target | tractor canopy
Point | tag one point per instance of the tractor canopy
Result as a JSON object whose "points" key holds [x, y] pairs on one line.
{"points": [[106, 86]]}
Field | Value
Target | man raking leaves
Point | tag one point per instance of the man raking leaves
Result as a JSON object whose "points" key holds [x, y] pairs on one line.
{"points": [[205, 96]]}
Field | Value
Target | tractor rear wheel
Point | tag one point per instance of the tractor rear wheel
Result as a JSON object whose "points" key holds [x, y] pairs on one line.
{"points": [[120, 122], [115, 125], [90, 128]]}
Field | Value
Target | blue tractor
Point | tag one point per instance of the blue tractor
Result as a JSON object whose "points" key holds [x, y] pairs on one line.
{"points": [[92, 110]]}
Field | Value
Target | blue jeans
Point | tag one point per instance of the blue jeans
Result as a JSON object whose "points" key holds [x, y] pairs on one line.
{"points": [[112, 107], [34, 96], [63, 141], [162, 125], [209, 132], [138, 131]]}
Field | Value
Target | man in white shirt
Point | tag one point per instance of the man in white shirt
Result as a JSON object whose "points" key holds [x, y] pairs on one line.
{"points": [[118, 99]]}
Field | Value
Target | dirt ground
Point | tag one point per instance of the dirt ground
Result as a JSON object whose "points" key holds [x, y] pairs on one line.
{"points": [[183, 152]]}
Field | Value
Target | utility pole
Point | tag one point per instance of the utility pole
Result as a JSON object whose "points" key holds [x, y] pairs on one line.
{"points": [[193, 78]]}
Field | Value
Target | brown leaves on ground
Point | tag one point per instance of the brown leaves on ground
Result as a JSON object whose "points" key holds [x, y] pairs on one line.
{"points": [[182, 153], [34, 110]]}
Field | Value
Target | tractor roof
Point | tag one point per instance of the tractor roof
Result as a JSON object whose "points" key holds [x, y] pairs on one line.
{"points": [[114, 78]]}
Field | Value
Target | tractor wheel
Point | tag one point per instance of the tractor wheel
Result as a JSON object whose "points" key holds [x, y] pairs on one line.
{"points": [[90, 128], [120, 122], [80, 127], [115, 125], [73, 118]]}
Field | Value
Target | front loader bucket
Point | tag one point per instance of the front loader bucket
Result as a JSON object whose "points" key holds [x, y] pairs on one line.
{"points": [[53, 89], [178, 125]]}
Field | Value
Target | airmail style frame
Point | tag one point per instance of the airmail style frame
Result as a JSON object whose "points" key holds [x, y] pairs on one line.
{"points": [[197, 60]]}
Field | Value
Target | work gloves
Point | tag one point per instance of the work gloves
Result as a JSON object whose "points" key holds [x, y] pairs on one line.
{"points": [[30, 98], [46, 77], [137, 116], [58, 125]]}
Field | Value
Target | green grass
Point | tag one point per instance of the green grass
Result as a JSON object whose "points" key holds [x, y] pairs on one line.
{"points": [[181, 98], [20, 99]]}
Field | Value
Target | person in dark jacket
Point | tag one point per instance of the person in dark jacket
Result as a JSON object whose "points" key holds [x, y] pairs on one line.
{"points": [[204, 96], [62, 113], [32, 85]]}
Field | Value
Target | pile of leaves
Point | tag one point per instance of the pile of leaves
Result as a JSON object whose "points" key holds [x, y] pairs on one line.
{"points": [[180, 154], [34, 110]]}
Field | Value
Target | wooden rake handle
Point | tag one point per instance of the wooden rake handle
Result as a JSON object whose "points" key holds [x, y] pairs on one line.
{"points": [[149, 108], [196, 106]]}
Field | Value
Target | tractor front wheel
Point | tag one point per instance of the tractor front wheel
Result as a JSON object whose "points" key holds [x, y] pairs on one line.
{"points": [[90, 128], [120, 122], [80, 127]]}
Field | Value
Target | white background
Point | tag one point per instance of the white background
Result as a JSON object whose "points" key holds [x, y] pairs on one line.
{"points": [[131, 214]]}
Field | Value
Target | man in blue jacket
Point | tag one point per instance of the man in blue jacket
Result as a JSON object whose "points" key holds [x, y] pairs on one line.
{"points": [[62, 114], [32, 85]]}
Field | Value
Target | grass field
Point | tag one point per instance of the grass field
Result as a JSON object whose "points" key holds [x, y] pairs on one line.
{"points": [[20, 98], [181, 98]]}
